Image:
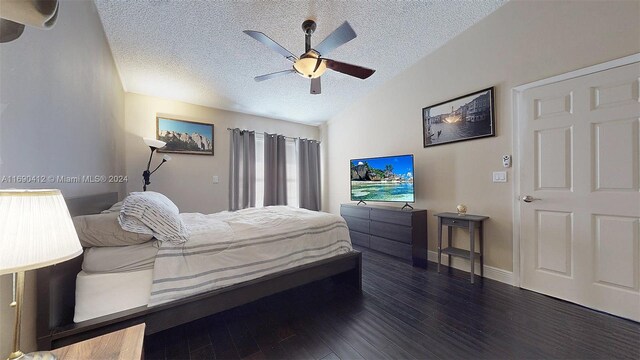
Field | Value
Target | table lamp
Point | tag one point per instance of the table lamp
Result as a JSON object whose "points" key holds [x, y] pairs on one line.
{"points": [[35, 231]]}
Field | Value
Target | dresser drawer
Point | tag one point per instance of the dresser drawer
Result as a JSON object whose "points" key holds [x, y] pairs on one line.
{"points": [[391, 231], [391, 247], [357, 224], [355, 211], [392, 216], [359, 238], [455, 222]]}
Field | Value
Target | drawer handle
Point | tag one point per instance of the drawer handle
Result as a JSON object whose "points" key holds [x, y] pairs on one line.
{"points": [[454, 221]]}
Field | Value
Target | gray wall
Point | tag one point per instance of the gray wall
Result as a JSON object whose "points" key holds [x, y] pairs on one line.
{"points": [[61, 113], [521, 42]]}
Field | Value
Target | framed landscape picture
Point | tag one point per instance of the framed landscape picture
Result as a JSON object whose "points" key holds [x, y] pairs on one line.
{"points": [[467, 117], [184, 137]]}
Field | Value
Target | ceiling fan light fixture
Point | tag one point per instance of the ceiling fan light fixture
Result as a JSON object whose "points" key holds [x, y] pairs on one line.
{"points": [[306, 66], [311, 65]]}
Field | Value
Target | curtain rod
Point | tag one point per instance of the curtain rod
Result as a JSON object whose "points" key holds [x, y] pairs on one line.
{"points": [[287, 137]]}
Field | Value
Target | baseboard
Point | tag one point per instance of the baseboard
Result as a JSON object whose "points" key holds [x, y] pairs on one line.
{"points": [[490, 272]]}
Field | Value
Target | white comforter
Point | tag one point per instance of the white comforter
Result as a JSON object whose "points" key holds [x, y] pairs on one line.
{"points": [[231, 247]]}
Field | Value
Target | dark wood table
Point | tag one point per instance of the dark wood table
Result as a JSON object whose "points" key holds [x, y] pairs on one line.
{"points": [[470, 222]]}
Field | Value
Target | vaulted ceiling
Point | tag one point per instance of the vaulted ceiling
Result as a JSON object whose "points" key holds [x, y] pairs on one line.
{"points": [[195, 51]]}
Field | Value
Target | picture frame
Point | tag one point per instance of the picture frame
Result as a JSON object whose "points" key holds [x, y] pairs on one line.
{"points": [[467, 117], [184, 136]]}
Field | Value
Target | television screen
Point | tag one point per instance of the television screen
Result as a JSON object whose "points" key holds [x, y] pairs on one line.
{"points": [[388, 178]]}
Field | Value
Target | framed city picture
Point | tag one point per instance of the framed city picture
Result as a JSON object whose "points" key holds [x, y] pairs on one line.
{"points": [[184, 137], [467, 117]]}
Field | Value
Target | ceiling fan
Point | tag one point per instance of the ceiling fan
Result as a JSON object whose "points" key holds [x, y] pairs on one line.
{"points": [[312, 64]]}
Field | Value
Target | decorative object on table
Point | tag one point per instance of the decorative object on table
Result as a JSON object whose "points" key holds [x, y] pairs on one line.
{"points": [[153, 145], [15, 14], [35, 231], [462, 209], [312, 64], [184, 137], [467, 117]]}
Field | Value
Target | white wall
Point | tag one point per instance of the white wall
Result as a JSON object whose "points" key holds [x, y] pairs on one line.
{"points": [[61, 113], [187, 179], [521, 42]]}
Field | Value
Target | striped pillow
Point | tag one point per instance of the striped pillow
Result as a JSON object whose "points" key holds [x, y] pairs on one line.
{"points": [[156, 212], [132, 224]]}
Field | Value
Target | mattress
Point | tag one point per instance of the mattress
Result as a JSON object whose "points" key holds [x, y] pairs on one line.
{"points": [[103, 294]]}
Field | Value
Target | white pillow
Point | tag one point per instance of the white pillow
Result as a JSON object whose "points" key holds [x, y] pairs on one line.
{"points": [[156, 212]]}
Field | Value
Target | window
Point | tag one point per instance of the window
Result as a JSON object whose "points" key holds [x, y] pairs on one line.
{"points": [[259, 169], [292, 171]]}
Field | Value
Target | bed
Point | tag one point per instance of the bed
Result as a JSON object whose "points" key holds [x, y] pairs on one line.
{"points": [[56, 289]]}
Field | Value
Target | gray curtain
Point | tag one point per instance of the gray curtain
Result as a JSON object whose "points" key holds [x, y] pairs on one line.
{"points": [[242, 170], [275, 170], [309, 174]]}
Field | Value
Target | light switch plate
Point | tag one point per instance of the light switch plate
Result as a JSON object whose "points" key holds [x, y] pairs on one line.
{"points": [[216, 179], [499, 176]]}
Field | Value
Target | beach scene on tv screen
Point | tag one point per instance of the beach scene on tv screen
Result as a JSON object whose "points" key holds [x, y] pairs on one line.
{"points": [[382, 179]]}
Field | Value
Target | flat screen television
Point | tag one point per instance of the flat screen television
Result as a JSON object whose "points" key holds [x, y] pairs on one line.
{"points": [[387, 179]]}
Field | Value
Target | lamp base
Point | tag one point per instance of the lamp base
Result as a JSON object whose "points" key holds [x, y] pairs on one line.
{"points": [[15, 355], [38, 355]]}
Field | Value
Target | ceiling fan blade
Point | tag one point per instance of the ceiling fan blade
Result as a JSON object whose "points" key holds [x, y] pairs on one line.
{"points": [[315, 86], [273, 75], [349, 69], [268, 42], [318, 63], [342, 35]]}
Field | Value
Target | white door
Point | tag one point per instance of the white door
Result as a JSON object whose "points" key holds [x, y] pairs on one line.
{"points": [[581, 165]]}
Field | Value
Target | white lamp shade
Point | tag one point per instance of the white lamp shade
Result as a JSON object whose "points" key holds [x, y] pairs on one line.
{"points": [[36, 230], [306, 67], [166, 157], [154, 143]]}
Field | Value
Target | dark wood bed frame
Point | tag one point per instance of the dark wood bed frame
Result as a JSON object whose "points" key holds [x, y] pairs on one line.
{"points": [[56, 286]]}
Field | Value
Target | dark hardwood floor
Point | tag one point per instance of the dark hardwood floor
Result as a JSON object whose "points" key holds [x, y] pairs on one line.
{"points": [[402, 313]]}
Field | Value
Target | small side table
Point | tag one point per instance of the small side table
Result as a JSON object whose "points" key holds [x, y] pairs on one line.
{"points": [[471, 222], [125, 344]]}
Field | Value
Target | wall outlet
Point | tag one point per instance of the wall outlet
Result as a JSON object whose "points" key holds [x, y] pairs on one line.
{"points": [[506, 161], [499, 176], [216, 179]]}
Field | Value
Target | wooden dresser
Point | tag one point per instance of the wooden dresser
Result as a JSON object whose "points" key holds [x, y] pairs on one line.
{"points": [[388, 229]]}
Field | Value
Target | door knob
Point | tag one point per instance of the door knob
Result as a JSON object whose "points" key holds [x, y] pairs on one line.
{"points": [[529, 198]]}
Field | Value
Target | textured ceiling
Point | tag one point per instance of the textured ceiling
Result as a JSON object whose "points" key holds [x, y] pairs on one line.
{"points": [[195, 51]]}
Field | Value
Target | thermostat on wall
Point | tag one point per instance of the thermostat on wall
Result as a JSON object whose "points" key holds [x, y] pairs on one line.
{"points": [[506, 161]]}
